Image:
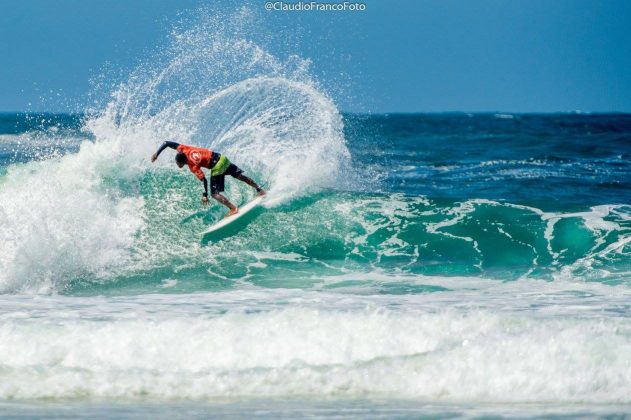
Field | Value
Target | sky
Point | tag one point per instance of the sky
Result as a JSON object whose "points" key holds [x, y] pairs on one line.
{"points": [[393, 56]]}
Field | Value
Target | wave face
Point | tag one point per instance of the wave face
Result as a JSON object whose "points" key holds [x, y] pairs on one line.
{"points": [[446, 257]]}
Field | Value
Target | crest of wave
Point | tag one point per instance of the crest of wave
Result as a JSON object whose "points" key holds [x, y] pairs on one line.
{"points": [[211, 86]]}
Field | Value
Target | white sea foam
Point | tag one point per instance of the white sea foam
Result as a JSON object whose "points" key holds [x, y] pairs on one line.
{"points": [[59, 222], [323, 345]]}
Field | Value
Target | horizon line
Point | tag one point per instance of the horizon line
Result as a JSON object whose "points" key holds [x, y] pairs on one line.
{"points": [[576, 112]]}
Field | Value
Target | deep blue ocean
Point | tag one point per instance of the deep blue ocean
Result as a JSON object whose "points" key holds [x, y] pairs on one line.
{"points": [[448, 265]]}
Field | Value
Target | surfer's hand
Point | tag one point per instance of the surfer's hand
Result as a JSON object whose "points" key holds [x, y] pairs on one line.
{"points": [[205, 201], [154, 157]]}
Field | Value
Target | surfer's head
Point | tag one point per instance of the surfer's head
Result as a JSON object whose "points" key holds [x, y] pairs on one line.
{"points": [[180, 159]]}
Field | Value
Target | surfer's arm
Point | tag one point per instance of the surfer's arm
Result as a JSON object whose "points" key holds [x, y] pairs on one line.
{"points": [[205, 195], [200, 175], [171, 144], [205, 187]]}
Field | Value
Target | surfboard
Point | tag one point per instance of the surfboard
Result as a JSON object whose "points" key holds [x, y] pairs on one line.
{"points": [[226, 221]]}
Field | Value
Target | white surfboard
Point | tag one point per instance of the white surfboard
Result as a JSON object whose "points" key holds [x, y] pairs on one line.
{"points": [[243, 210]]}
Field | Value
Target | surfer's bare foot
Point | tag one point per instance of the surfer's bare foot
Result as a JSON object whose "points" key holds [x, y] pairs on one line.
{"points": [[261, 193], [232, 212]]}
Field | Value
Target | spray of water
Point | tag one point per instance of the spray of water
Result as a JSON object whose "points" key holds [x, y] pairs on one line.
{"points": [[83, 214]]}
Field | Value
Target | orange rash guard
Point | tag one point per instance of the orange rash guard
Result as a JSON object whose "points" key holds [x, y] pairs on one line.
{"points": [[197, 158]]}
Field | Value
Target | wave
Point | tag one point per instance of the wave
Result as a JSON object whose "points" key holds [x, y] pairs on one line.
{"points": [[86, 214], [379, 243], [322, 345], [359, 231], [90, 213], [146, 236]]}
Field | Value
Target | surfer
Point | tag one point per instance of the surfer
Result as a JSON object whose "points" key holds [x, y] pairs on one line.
{"points": [[219, 165]]}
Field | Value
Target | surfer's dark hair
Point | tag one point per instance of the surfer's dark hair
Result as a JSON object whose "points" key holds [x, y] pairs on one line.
{"points": [[180, 158]]}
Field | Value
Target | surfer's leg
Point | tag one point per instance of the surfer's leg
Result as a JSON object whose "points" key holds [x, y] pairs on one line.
{"points": [[251, 183], [223, 200], [216, 187], [236, 172]]}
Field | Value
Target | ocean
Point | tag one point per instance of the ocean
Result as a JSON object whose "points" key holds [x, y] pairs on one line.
{"points": [[404, 265]]}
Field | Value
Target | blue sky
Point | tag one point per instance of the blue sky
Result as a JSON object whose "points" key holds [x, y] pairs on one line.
{"points": [[395, 56]]}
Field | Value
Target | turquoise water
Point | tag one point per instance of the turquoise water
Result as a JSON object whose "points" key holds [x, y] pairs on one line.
{"points": [[403, 265], [522, 213]]}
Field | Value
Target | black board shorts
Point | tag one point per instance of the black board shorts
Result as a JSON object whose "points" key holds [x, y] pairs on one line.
{"points": [[217, 182]]}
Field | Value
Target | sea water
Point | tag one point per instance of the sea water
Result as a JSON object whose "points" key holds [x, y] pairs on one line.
{"points": [[404, 264]]}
